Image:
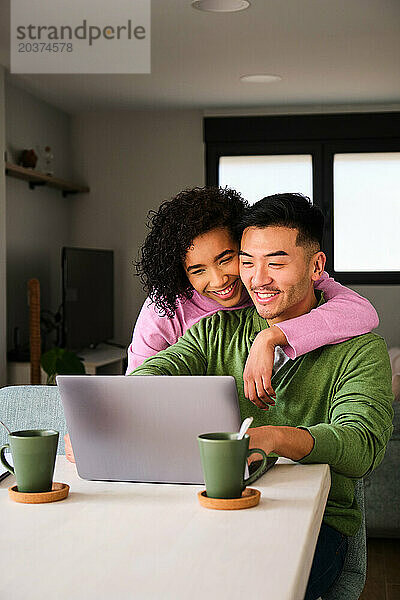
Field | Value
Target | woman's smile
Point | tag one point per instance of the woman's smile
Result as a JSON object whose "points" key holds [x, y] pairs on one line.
{"points": [[227, 292]]}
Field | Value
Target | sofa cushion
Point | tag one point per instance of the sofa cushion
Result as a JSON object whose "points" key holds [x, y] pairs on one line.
{"points": [[32, 407]]}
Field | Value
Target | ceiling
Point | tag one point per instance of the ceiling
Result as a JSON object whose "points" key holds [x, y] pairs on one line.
{"points": [[328, 52]]}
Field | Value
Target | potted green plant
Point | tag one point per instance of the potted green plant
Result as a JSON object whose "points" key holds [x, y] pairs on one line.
{"points": [[59, 361]]}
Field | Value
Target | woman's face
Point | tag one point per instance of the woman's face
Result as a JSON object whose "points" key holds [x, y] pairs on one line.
{"points": [[212, 267]]}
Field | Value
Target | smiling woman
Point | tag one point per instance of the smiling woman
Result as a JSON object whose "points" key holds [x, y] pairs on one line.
{"points": [[192, 249], [211, 264]]}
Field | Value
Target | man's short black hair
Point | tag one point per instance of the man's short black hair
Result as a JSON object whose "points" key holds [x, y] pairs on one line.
{"points": [[294, 211]]}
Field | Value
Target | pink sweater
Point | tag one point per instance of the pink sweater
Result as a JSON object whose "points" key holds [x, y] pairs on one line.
{"points": [[344, 315]]}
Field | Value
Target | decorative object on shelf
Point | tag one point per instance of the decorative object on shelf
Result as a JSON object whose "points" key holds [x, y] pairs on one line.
{"points": [[28, 158], [59, 361], [48, 161]]}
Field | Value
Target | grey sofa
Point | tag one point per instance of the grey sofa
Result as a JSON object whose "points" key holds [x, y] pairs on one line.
{"points": [[32, 407], [382, 488]]}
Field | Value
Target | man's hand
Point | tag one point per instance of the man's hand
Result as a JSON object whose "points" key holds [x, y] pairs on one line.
{"points": [[258, 369], [261, 437], [68, 449], [289, 442]]}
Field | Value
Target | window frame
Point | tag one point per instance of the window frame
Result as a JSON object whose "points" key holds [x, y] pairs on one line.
{"points": [[322, 136]]}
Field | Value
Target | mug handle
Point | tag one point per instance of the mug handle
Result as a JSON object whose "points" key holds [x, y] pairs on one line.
{"points": [[3, 458], [260, 469]]}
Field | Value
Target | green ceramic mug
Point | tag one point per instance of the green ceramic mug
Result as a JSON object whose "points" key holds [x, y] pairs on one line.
{"points": [[223, 459], [34, 456]]}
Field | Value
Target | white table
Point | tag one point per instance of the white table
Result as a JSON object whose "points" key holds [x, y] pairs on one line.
{"points": [[144, 541]]}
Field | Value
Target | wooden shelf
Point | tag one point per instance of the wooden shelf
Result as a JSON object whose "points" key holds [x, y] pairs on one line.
{"points": [[35, 178]]}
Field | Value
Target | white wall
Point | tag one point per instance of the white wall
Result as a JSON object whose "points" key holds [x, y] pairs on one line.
{"points": [[38, 221], [3, 321], [132, 162]]}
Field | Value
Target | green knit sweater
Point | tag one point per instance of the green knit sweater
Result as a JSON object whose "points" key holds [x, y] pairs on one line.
{"points": [[341, 394]]}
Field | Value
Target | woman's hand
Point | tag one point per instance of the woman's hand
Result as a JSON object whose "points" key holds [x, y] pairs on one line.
{"points": [[69, 453], [258, 369]]}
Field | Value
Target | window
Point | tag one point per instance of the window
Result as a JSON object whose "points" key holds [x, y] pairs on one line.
{"points": [[258, 176], [348, 164], [366, 208]]}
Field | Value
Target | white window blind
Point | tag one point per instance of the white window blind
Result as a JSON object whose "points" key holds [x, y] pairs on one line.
{"points": [[258, 176]]}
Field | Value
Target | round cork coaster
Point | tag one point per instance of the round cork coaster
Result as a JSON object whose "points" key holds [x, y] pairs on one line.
{"points": [[59, 492], [250, 497]]}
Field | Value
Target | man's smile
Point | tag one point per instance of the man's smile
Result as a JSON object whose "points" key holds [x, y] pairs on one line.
{"points": [[265, 297]]}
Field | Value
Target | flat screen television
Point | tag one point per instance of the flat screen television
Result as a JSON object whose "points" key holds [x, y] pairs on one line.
{"points": [[87, 297]]}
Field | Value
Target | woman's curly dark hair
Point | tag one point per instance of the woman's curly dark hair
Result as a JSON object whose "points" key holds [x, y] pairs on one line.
{"points": [[173, 227]]}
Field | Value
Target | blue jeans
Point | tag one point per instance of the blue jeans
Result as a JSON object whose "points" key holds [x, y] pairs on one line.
{"points": [[327, 565]]}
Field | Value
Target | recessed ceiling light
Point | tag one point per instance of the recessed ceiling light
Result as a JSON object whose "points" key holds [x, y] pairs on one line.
{"points": [[221, 5], [260, 78]]}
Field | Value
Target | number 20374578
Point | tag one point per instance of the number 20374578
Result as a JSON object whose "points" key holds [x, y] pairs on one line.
{"points": [[45, 47]]}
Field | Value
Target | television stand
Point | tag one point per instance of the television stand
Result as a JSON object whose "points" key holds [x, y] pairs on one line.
{"points": [[102, 360]]}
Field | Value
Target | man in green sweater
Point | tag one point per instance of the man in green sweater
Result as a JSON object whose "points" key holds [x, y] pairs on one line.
{"points": [[333, 405]]}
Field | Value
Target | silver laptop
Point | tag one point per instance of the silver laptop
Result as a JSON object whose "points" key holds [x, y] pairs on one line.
{"points": [[145, 428]]}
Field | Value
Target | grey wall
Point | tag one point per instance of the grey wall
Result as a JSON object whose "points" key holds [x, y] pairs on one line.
{"points": [[38, 221], [3, 322], [132, 162], [386, 299]]}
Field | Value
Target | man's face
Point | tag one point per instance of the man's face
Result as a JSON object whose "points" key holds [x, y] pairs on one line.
{"points": [[277, 274]]}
